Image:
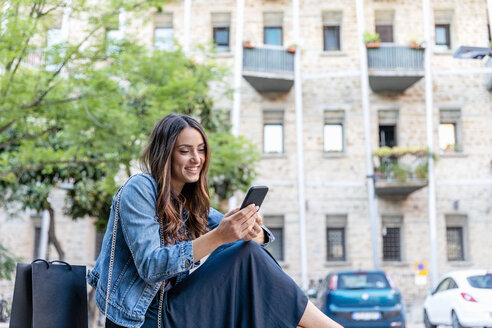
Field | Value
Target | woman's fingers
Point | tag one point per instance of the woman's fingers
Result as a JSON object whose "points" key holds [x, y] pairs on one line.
{"points": [[231, 212]]}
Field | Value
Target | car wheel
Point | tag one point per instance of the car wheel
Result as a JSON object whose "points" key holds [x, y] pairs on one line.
{"points": [[455, 321], [427, 322]]}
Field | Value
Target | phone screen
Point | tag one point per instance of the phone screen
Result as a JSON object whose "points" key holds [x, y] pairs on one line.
{"points": [[255, 195]]}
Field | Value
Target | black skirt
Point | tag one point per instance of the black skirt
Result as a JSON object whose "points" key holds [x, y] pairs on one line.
{"points": [[240, 285]]}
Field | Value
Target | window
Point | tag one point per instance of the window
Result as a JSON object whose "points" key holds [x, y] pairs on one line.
{"points": [[273, 131], [221, 30], [443, 38], [114, 36], [335, 237], [331, 30], [456, 227], [450, 131], [443, 22], [443, 285], [388, 120], [331, 37], [384, 25], [392, 238], [333, 137], [54, 39], [454, 238], [163, 31], [272, 30], [275, 223]]}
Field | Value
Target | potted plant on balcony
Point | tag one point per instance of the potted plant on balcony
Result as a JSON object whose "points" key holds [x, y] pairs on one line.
{"points": [[248, 45], [292, 48], [372, 40], [415, 43]]}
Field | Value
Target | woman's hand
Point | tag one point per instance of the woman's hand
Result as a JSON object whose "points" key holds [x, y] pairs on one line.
{"points": [[256, 231], [238, 224]]}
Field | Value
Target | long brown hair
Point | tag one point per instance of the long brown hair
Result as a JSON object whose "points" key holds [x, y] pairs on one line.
{"points": [[156, 160]]}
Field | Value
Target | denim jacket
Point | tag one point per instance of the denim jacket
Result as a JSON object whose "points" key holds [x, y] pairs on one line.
{"points": [[140, 263]]}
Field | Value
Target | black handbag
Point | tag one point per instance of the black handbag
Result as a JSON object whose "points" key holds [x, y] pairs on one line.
{"points": [[48, 295]]}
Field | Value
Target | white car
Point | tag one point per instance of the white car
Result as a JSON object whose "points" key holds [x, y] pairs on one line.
{"points": [[461, 299]]}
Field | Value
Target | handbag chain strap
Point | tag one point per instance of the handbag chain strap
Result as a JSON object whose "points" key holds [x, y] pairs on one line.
{"points": [[111, 261]]}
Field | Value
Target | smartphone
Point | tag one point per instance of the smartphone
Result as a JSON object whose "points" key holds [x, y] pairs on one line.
{"points": [[255, 195]]}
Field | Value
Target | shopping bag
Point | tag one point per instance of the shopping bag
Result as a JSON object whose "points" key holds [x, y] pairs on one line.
{"points": [[48, 295]]}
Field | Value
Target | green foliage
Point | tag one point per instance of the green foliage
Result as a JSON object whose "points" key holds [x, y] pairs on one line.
{"points": [[231, 165], [7, 263], [391, 164], [371, 37], [78, 113], [396, 152]]}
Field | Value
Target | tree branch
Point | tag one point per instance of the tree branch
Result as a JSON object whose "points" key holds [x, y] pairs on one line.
{"points": [[6, 126], [56, 102], [21, 170], [29, 137]]}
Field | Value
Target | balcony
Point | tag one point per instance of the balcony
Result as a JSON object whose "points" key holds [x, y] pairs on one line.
{"points": [[400, 171], [489, 76], [268, 68], [394, 68]]}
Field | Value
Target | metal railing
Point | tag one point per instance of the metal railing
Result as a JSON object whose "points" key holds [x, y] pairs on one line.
{"points": [[268, 59], [395, 58]]}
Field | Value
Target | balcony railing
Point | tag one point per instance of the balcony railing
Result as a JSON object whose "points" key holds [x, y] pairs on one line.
{"points": [[400, 171], [268, 59], [489, 76], [395, 58], [394, 68], [268, 68]]}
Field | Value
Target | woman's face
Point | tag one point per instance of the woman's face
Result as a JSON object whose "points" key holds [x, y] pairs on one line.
{"points": [[188, 158]]}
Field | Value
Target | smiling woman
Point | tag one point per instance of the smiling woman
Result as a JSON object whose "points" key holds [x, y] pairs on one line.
{"points": [[189, 155], [161, 225]]}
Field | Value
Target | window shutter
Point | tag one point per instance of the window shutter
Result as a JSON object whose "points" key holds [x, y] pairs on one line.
{"points": [[273, 19], [332, 18], [163, 20], [388, 117], [449, 115], [443, 16], [336, 220], [334, 116], [273, 116], [221, 19]]}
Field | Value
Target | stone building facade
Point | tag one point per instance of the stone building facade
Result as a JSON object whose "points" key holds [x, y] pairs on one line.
{"points": [[338, 228]]}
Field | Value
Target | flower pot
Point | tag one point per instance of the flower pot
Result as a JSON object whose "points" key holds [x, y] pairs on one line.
{"points": [[247, 44], [291, 49], [373, 45]]}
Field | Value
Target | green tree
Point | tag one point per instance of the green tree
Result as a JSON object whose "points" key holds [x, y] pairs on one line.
{"points": [[79, 112]]}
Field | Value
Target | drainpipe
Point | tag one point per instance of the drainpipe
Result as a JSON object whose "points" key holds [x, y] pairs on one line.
{"points": [[5, 9], [187, 27], [299, 143], [238, 67], [122, 22], [43, 238], [364, 82], [65, 26], [238, 72], [489, 9], [429, 104]]}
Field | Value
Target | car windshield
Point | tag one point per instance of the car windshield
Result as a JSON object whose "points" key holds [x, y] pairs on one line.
{"points": [[362, 281], [484, 281]]}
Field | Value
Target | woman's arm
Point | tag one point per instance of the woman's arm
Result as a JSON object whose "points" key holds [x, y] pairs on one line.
{"points": [[235, 225], [140, 228]]}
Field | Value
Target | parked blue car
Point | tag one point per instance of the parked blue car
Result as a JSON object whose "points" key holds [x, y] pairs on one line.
{"points": [[362, 299]]}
